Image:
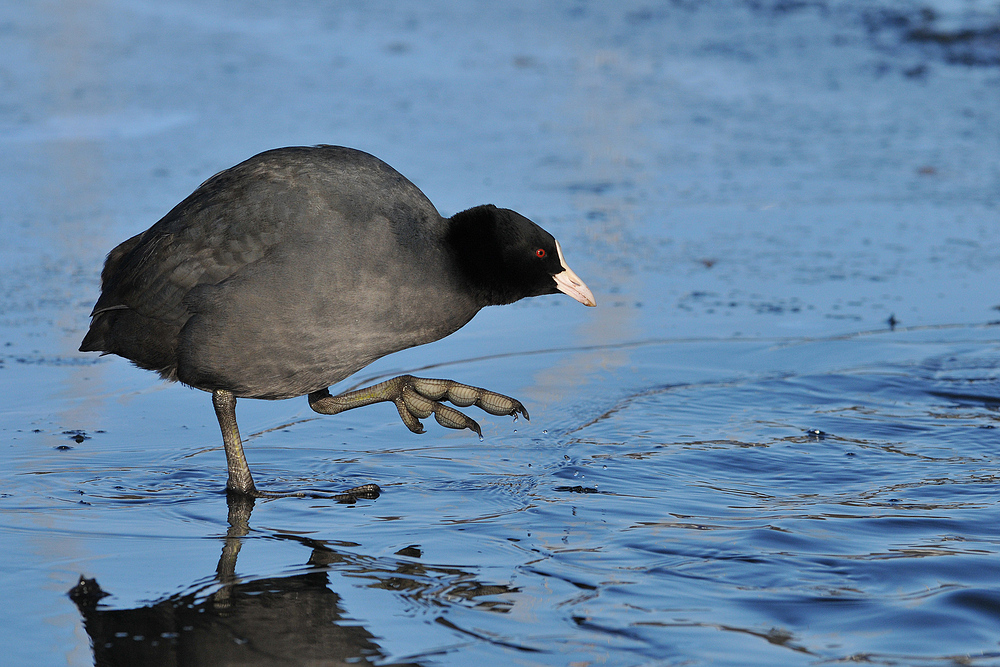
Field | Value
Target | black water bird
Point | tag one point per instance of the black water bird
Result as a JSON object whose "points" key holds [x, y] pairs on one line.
{"points": [[291, 271]]}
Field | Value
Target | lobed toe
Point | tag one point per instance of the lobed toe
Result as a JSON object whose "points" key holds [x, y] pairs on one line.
{"points": [[411, 422], [498, 404], [417, 405], [452, 418], [463, 395], [429, 387]]}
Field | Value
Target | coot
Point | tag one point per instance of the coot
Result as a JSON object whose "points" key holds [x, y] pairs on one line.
{"points": [[298, 267]]}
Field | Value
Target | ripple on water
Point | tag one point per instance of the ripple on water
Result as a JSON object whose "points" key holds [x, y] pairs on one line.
{"points": [[781, 506]]}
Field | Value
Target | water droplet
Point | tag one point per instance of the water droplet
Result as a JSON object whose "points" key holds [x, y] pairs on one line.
{"points": [[515, 417], [604, 467], [515, 430], [545, 430], [481, 438]]}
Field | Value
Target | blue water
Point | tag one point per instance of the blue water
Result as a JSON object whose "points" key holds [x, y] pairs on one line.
{"points": [[774, 441]]}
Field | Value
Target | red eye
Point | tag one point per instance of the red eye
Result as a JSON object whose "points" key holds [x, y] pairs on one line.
{"points": [[540, 253]]}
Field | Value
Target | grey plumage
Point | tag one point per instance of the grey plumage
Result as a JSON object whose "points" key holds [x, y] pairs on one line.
{"points": [[298, 267]]}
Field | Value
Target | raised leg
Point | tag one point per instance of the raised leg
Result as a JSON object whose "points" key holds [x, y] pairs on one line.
{"points": [[416, 398], [240, 480]]}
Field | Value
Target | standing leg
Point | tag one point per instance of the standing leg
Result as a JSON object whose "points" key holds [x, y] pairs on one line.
{"points": [[240, 480]]}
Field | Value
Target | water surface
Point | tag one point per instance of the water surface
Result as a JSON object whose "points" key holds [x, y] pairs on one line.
{"points": [[774, 441]]}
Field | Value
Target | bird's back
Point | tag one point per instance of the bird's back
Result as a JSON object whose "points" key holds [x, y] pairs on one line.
{"points": [[280, 276]]}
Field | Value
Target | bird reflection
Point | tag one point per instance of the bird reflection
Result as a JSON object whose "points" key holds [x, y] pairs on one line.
{"points": [[293, 620]]}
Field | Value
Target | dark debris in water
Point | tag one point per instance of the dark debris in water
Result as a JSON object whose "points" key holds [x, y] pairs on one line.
{"points": [[576, 489], [974, 41], [968, 46], [710, 302], [968, 38], [42, 360], [77, 435]]}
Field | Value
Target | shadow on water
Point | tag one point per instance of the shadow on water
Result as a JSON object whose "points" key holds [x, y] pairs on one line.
{"points": [[289, 620]]}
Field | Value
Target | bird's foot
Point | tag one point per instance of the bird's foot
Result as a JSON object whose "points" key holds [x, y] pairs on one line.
{"points": [[416, 398], [419, 397]]}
